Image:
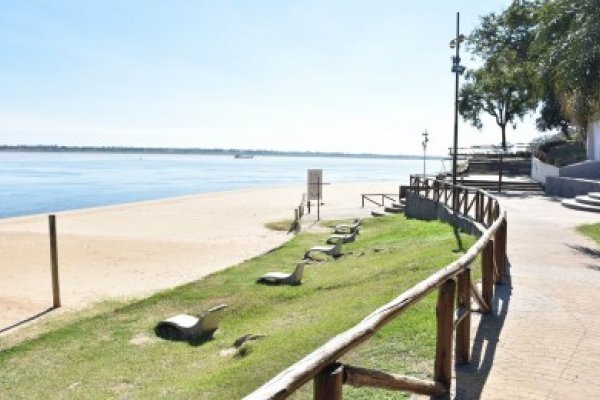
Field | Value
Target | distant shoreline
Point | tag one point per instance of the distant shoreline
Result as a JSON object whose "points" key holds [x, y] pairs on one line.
{"points": [[201, 151]]}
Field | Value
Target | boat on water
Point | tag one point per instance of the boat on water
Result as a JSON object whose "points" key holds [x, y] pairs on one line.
{"points": [[240, 155]]}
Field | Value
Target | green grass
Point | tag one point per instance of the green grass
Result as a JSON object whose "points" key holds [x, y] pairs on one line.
{"points": [[590, 230], [95, 358]]}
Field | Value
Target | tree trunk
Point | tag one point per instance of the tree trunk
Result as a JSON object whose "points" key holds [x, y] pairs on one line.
{"points": [[564, 128], [502, 158]]}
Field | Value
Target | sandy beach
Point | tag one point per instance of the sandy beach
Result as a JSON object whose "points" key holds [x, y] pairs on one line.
{"points": [[135, 249]]}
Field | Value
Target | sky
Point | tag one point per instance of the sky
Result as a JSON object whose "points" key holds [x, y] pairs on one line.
{"points": [[350, 76]]}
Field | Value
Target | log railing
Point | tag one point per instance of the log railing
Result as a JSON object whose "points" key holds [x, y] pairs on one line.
{"points": [[373, 198], [453, 310]]}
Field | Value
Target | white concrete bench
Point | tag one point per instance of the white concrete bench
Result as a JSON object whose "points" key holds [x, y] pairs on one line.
{"points": [[188, 327], [295, 278]]}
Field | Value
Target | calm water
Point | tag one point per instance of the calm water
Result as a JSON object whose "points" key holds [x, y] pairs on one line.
{"points": [[46, 182]]}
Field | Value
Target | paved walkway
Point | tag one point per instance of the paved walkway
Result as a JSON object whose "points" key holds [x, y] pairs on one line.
{"points": [[544, 341]]}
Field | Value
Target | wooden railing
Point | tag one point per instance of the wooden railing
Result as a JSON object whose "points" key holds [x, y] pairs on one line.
{"points": [[373, 197], [453, 310]]}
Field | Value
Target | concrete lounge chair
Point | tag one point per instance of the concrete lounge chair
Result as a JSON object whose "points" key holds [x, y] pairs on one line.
{"points": [[348, 228], [334, 250], [187, 327], [344, 238], [295, 278]]}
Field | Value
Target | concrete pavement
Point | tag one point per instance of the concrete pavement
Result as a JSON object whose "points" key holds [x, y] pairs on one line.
{"points": [[544, 340]]}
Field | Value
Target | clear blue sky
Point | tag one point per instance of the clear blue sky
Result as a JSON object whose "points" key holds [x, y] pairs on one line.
{"points": [[353, 76]]}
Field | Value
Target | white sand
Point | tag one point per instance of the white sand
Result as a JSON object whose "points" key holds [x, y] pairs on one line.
{"points": [[135, 249]]}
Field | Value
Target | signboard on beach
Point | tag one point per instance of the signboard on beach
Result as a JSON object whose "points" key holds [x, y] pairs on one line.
{"points": [[315, 184]]}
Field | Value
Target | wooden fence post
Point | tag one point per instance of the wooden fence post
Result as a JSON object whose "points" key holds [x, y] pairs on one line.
{"points": [[54, 262], [501, 256], [328, 383], [490, 218], [487, 279], [445, 328], [505, 242], [466, 205], [477, 211], [463, 329], [481, 207], [445, 187], [498, 257]]}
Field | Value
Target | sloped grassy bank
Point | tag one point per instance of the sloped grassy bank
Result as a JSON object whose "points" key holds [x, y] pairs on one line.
{"points": [[116, 354]]}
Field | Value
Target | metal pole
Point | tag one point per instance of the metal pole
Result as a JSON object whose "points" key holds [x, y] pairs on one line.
{"points": [[457, 74], [318, 198], [425, 140]]}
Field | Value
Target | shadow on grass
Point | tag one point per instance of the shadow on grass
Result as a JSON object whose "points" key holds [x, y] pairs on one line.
{"points": [[170, 333], [26, 320], [471, 378], [460, 247]]}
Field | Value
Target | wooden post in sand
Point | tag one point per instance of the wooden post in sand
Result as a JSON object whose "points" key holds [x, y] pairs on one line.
{"points": [[54, 262]]}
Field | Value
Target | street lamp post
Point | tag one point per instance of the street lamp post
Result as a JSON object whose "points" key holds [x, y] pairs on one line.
{"points": [[424, 143], [458, 70]]}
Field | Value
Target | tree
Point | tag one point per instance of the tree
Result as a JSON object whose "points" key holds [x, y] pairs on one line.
{"points": [[504, 86], [567, 48], [551, 115]]}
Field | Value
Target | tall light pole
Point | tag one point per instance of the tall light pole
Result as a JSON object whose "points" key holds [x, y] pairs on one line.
{"points": [[424, 143], [458, 70]]}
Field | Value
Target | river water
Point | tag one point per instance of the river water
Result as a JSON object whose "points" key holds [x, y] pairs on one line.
{"points": [[33, 183]]}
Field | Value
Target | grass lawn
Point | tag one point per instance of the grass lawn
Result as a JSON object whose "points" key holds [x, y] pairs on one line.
{"points": [[115, 354], [591, 230]]}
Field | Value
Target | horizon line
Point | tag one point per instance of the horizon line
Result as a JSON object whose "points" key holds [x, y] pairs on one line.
{"points": [[201, 150]]}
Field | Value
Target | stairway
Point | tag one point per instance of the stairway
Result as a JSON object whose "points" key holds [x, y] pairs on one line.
{"points": [[492, 185], [589, 202], [510, 166]]}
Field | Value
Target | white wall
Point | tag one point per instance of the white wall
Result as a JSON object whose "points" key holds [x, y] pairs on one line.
{"points": [[540, 170], [593, 141]]}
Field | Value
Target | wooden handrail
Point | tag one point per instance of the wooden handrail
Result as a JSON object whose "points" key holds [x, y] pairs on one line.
{"points": [[389, 196], [325, 357], [363, 377]]}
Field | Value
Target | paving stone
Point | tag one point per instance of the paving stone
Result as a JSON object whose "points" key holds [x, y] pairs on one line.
{"points": [[544, 341]]}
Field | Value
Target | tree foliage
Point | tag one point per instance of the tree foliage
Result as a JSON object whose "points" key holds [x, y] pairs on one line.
{"points": [[504, 86], [567, 47], [551, 114]]}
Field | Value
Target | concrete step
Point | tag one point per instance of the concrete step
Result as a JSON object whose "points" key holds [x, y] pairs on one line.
{"points": [[394, 210], [588, 200], [594, 195], [574, 204], [506, 186]]}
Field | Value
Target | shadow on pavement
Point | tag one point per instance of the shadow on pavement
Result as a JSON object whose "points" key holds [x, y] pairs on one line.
{"points": [[471, 378], [588, 251]]}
